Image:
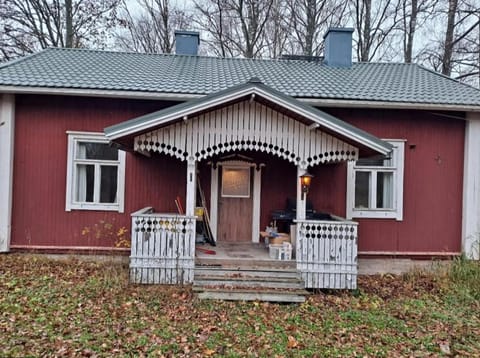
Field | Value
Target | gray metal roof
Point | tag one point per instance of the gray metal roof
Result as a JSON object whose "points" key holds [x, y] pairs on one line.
{"points": [[175, 74]]}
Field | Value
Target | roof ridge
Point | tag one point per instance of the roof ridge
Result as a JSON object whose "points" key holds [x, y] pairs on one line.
{"points": [[385, 63], [174, 55], [21, 59]]}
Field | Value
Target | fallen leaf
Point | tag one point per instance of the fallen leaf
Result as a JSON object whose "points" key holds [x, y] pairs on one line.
{"points": [[292, 342], [208, 352]]}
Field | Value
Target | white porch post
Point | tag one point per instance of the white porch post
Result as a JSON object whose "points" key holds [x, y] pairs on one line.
{"points": [[214, 201], [301, 199], [7, 130], [471, 188], [257, 179], [191, 187]]}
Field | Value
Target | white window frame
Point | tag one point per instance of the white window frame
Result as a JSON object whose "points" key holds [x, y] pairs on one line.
{"points": [[397, 169], [70, 204]]}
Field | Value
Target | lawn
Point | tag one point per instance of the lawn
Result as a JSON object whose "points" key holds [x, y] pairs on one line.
{"points": [[75, 308]]}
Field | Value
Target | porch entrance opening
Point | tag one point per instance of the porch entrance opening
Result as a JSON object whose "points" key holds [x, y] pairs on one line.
{"points": [[235, 204]]}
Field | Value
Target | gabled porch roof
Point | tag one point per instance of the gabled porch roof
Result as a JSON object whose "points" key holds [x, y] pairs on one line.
{"points": [[123, 133]]}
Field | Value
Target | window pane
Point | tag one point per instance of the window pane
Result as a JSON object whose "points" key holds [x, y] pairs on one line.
{"points": [[384, 190], [108, 184], [85, 183], [96, 151], [378, 161], [362, 189]]}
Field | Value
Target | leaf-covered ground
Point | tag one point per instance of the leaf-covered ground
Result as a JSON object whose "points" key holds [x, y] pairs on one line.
{"points": [[74, 308]]}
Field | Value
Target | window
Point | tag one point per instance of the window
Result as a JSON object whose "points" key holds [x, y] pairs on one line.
{"points": [[375, 186], [95, 173], [236, 182]]}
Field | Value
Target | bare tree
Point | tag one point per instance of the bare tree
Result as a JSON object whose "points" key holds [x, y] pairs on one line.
{"points": [[375, 22], [414, 14], [29, 25], [235, 27], [278, 29], [462, 21], [455, 41], [311, 19], [152, 29]]}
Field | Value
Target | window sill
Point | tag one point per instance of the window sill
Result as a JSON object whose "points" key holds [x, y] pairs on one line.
{"points": [[93, 207], [374, 214]]}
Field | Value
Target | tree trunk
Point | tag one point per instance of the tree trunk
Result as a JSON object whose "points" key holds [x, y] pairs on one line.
{"points": [[449, 43], [311, 12], [411, 31], [367, 27], [68, 24]]}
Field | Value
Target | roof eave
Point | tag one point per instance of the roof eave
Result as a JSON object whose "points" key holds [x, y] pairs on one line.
{"points": [[181, 97]]}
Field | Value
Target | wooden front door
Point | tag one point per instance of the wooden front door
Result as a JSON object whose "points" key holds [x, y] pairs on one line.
{"points": [[235, 204]]}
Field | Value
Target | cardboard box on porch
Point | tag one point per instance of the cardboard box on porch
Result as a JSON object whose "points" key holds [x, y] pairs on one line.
{"points": [[280, 239]]}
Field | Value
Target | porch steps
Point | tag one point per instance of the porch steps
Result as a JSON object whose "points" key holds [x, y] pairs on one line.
{"points": [[248, 284]]}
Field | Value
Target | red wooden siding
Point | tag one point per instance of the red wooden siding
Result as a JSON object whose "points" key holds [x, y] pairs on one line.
{"points": [[432, 190], [433, 182], [39, 216]]}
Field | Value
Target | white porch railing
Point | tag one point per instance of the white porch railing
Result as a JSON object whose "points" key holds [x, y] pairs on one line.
{"points": [[163, 248], [327, 253]]}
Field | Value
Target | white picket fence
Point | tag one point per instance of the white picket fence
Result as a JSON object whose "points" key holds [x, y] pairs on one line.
{"points": [[163, 248], [327, 253]]}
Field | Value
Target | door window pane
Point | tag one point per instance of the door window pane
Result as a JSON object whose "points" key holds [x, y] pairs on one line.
{"points": [[236, 182], [362, 189], [108, 184]]}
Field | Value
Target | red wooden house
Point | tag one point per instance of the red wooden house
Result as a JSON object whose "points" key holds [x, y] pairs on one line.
{"points": [[89, 137]]}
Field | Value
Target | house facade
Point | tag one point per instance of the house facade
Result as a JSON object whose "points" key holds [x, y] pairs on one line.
{"points": [[89, 137]]}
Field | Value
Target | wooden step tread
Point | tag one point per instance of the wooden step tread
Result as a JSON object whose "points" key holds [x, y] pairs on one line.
{"points": [[246, 278], [220, 288], [252, 295], [246, 269]]}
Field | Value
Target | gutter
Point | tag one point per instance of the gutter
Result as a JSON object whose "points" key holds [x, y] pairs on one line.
{"points": [[182, 97]]}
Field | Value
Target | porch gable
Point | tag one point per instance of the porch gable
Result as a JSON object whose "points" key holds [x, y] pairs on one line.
{"points": [[252, 92], [246, 125]]}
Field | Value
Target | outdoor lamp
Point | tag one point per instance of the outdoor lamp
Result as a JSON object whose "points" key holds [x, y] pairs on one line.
{"points": [[305, 181]]}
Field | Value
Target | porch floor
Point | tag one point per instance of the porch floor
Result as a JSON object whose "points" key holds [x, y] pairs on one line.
{"points": [[246, 254]]}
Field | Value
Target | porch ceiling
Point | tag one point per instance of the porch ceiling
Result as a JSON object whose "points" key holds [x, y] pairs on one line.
{"points": [[308, 123]]}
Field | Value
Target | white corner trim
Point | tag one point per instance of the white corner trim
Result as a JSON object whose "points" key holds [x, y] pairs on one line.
{"points": [[7, 137], [471, 188], [257, 187]]}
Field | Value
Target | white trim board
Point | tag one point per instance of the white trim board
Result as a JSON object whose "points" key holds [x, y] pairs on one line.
{"points": [[7, 138], [471, 188]]}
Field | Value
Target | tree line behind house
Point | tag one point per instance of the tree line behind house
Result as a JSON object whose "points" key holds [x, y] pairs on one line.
{"points": [[443, 35]]}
